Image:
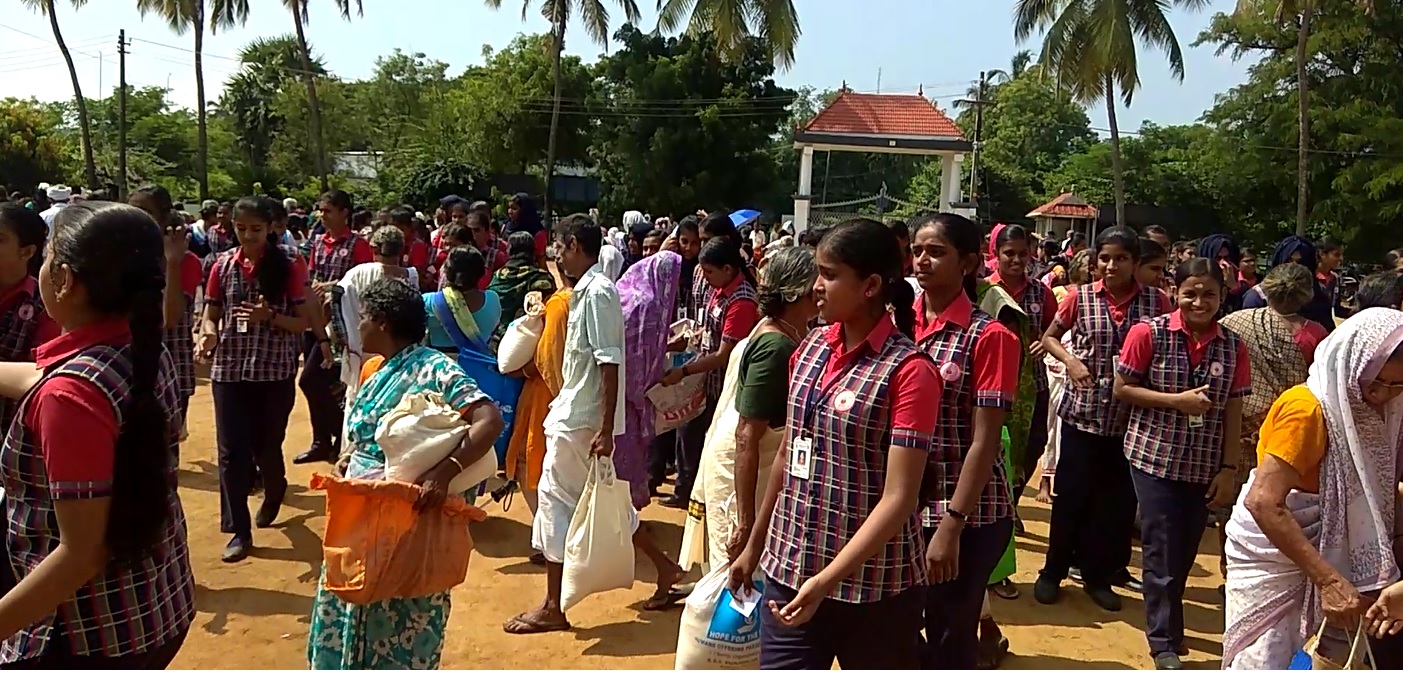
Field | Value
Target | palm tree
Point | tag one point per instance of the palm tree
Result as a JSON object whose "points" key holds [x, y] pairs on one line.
{"points": [[266, 65], [1021, 63], [776, 22], [309, 77], [183, 15], [46, 7], [558, 12], [1282, 11], [1090, 46]]}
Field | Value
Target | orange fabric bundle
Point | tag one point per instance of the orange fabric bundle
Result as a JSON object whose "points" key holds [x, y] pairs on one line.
{"points": [[378, 547]]}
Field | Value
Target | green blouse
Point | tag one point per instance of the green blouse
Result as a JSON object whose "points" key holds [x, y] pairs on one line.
{"points": [[763, 388]]}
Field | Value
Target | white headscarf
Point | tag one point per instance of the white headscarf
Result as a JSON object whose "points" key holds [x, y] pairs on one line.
{"points": [[1359, 475], [634, 218]]}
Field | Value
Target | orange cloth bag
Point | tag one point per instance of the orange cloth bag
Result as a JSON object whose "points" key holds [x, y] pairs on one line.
{"points": [[378, 547]]}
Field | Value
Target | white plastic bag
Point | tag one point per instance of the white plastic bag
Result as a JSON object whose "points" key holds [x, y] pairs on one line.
{"points": [[419, 433], [518, 344], [714, 634], [599, 544]]}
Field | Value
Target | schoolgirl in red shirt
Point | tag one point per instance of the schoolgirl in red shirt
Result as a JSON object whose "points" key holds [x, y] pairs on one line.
{"points": [[969, 520], [1094, 514], [255, 313], [416, 251], [728, 317], [1011, 250], [838, 534], [95, 532], [1184, 377], [23, 323], [184, 271]]}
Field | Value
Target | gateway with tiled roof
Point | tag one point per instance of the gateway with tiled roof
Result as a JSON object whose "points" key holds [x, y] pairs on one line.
{"points": [[1065, 212], [881, 123]]}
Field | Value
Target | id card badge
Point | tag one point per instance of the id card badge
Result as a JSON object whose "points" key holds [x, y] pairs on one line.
{"points": [[716, 312], [241, 324], [1195, 421], [801, 458]]}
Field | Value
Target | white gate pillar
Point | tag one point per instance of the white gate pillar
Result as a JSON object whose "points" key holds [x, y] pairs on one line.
{"points": [[803, 197]]}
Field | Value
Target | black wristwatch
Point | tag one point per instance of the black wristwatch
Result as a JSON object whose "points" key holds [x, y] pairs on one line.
{"points": [[952, 512]]}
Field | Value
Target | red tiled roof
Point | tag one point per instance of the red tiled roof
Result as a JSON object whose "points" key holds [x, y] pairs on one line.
{"points": [[1066, 206], [883, 115]]}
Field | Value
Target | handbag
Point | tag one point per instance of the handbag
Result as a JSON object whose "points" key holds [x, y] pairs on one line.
{"points": [[1310, 658], [519, 341], [421, 431], [481, 366], [599, 542]]}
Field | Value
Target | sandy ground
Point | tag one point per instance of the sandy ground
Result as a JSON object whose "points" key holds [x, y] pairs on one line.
{"points": [[254, 614]]}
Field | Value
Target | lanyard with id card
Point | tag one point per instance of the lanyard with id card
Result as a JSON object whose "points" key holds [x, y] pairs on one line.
{"points": [[801, 448], [1198, 378]]}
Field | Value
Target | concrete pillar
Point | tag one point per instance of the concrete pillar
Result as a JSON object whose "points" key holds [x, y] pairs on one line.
{"points": [[806, 185], [949, 180]]}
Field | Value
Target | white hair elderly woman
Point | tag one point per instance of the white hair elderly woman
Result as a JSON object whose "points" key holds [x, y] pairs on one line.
{"points": [[749, 424], [1312, 533]]}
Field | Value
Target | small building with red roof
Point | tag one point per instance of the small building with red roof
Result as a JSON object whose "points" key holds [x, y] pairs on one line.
{"points": [[880, 123], [1063, 214]]}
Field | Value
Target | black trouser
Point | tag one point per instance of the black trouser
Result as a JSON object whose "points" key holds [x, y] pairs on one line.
{"points": [[1037, 444], [58, 655], [692, 438], [953, 607], [881, 635], [320, 388], [1094, 514], [1173, 517], [250, 420], [662, 451]]}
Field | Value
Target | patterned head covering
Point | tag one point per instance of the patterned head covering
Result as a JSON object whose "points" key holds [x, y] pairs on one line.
{"points": [[648, 294]]}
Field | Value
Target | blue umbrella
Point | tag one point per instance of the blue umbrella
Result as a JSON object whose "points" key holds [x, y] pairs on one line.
{"points": [[740, 217]]}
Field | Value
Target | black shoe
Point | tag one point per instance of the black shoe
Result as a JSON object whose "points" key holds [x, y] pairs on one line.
{"points": [[1128, 582], [237, 550], [674, 501], [1103, 597], [1074, 573], [1180, 649], [268, 510], [1223, 592], [1047, 590], [1166, 660], [315, 455]]}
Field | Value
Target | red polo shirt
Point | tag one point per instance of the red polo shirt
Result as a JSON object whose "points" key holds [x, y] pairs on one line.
{"points": [[1139, 350], [45, 329], [741, 314], [296, 279], [72, 420], [1049, 302], [1067, 310], [996, 351]]}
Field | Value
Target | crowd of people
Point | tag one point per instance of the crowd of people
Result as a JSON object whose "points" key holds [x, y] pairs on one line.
{"points": [[875, 397]]}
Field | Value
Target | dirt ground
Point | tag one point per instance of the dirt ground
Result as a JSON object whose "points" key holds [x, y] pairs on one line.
{"points": [[254, 614]]}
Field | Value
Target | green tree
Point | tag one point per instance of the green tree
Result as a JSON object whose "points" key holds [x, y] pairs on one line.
{"points": [[734, 22], [194, 15], [708, 147], [32, 146], [249, 102], [309, 76], [1090, 46], [46, 7], [558, 12]]}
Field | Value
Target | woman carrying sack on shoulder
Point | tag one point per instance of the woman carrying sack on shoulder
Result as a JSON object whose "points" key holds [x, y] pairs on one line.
{"points": [[398, 634]]}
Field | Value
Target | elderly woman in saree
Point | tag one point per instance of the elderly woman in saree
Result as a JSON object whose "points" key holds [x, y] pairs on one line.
{"points": [[513, 281], [1312, 533], [748, 427], [397, 634], [1297, 249], [647, 293]]}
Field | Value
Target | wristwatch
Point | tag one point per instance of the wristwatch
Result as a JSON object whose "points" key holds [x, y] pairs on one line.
{"points": [[952, 512]]}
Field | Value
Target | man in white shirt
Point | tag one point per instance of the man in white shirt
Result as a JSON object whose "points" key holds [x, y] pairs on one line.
{"points": [[58, 195], [584, 416]]}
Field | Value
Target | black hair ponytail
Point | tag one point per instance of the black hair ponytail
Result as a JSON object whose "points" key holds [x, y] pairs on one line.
{"points": [[721, 251], [870, 248], [275, 268], [903, 305], [131, 285]]}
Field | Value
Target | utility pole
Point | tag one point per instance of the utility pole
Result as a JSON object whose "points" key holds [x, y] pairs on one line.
{"points": [[979, 105], [122, 115]]}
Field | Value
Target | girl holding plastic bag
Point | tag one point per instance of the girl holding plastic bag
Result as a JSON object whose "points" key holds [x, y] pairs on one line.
{"points": [[398, 634]]}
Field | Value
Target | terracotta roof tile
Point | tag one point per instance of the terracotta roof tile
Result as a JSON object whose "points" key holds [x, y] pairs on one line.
{"points": [[883, 115], [1067, 206]]}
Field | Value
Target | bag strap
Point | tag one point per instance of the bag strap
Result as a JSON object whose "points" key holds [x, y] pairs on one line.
{"points": [[450, 325], [1360, 637]]}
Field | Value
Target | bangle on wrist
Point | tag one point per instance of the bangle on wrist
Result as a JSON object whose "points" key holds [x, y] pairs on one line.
{"points": [[456, 462]]}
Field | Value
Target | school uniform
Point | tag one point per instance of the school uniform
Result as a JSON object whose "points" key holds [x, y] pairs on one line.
{"points": [[1094, 514], [729, 314], [416, 256], [23, 326], [977, 360], [179, 339], [251, 379], [1040, 305], [61, 447], [331, 257], [1173, 456], [846, 409]]}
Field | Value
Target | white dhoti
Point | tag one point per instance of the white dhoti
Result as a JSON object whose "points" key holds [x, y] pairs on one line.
{"points": [[562, 483]]}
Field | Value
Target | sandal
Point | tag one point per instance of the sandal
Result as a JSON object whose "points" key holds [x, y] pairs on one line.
{"points": [[522, 624], [538, 559], [663, 600], [1005, 589], [990, 658]]}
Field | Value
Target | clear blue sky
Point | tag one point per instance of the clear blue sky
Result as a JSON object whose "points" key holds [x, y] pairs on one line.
{"points": [[941, 44]]}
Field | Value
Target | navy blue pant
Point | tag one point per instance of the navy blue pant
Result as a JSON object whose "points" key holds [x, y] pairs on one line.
{"points": [[881, 635], [952, 607], [250, 421], [323, 391], [1094, 514], [1037, 444], [1173, 517]]}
